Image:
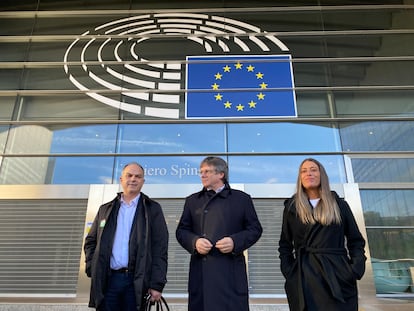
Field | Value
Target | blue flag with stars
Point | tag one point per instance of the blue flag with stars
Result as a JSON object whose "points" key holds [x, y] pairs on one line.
{"points": [[240, 87]]}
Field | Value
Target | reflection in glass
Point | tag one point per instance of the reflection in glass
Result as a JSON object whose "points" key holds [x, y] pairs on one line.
{"points": [[85, 139], [24, 171], [56, 170], [172, 138], [82, 170], [158, 169], [165, 170], [376, 103], [282, 137], [279, 169], [389, 218], [312, 104], [378, 136], [242, 169], [10, 79], [383, 170], [36, 139], [388, 207], [6, 107], [64, 107], [3, 137]]}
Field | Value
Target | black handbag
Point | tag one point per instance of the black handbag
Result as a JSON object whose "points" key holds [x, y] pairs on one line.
{"points": [[160, 305]]}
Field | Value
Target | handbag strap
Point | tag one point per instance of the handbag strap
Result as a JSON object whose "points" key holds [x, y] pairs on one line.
{"points": [[160, 305]]}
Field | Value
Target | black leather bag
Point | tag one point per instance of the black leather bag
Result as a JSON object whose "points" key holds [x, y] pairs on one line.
{"points": [[160, 305]]}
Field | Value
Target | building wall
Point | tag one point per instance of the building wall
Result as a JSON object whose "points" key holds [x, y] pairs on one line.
{"points": [[86, 87]]}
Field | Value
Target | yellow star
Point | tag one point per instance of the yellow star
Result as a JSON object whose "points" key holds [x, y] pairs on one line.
{"points": [[215, 86], [227, 105], [260, 96], [250, 68], [259, 75], [218, 76], [238, 65], [218, 96], [263, 85], [240, 107], [252, 104], [227, 68]]}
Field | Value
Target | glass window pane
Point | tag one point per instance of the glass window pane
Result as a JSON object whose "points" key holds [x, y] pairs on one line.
{"points": [[172, 138], [383, 170], [13, 51], [366, 73], [389, 217], [10, 79], [286, 137], [159, 170], [62, 107], [20, 26], [391, 258], [392, 276], [377, 103], [378, 136], [82, 170], [312, 105], [47, 78], [62, 139], [165, 170], [6, 108], [57, 170], [388, 207], [371, 73], [4, 130], [85, 139], [242, 169], [279, 169]]}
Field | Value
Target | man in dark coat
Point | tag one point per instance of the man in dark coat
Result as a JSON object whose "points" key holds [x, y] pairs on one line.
{"points": [[321, 262], [217, 225], [126, 248]]}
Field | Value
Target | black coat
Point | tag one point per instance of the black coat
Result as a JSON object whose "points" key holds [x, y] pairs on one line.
{"points": [[217, 281], [148, 248], [321, 264]]}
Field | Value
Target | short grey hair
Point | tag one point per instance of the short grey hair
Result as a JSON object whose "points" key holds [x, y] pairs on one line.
{"points": [[133, 163], [219, 165]]}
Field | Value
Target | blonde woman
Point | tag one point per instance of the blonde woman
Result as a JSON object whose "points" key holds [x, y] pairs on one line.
{"points": [[321, 248]]}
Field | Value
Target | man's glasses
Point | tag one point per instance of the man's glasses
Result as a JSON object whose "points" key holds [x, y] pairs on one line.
{"points": [[206, 172]]}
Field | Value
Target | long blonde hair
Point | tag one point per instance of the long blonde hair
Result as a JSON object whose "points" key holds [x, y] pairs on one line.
{"points": [[326, 211]]}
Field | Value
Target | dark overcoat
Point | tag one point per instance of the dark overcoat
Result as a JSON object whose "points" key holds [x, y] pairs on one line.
{"points": [[321, 264], [148, 249], [217, 281]]}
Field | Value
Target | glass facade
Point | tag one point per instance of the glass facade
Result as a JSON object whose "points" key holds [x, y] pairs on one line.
{"points": [[86, 87]]}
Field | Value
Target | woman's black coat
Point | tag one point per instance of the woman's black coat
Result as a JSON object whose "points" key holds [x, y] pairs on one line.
{"points": [[321, 264], [217, 281], [148, 248]]}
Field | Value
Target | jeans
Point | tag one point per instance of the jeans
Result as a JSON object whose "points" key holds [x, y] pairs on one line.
{"points": [[120, 294]]}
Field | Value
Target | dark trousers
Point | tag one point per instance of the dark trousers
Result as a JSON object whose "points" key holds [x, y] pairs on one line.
{"points": [[120, 294]]}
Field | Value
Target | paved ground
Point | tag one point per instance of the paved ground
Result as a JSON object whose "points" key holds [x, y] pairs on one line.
{"points": [[372, 303], [382, 304]]}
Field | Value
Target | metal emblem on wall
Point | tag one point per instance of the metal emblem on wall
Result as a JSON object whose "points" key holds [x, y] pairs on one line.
{"points": [[109, 59]]}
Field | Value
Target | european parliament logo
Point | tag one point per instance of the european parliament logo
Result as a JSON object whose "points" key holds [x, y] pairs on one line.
{"points": [[240, 87]]}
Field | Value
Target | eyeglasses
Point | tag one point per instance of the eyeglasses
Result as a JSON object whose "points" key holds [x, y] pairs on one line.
{"points": [[206, 172]]}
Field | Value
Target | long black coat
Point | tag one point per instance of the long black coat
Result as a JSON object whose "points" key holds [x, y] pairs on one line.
{"points": [[321, 264], [148, 249], [217, 281]]}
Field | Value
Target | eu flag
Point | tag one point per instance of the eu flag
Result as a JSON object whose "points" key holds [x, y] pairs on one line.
{"points": [[240, 87]]}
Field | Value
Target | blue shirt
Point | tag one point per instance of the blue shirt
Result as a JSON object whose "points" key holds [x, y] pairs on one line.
{"points": [[120, 248]]}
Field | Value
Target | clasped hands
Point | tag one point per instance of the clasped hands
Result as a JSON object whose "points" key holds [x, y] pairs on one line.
{"points": [[224, 245]]}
